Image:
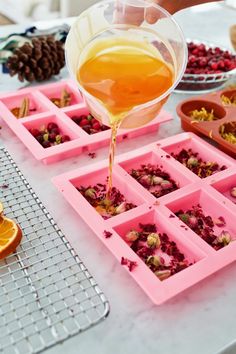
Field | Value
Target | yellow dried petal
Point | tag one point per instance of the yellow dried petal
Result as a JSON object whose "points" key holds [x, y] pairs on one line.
{"points": [[202, 115]]}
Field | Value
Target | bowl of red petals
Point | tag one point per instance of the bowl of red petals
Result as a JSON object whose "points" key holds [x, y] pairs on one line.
{"points": [[208, 68]]}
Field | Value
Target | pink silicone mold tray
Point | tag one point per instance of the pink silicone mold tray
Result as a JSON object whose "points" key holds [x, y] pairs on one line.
{"points": [[210, 192], [42, 111]]}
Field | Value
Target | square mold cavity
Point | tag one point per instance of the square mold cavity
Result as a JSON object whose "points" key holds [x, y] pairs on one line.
{"points": [[225, 185], [205, 151], [192, 253], [41, 123], [211, 206], [158, 161], [100, 176], [35, 104], [160, 291], [55, 91], [74, 115]]}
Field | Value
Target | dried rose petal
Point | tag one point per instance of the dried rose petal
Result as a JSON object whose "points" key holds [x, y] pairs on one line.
{"points": [[107, 234], [144, 252], [124, 261], [92, 155], [148, 227], [131, 264]]}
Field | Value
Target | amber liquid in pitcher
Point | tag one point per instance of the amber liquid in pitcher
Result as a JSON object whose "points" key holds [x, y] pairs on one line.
{"points": [[122, 74]]}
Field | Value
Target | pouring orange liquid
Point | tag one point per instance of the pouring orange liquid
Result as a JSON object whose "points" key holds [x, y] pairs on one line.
{"points": [[122, 74]]}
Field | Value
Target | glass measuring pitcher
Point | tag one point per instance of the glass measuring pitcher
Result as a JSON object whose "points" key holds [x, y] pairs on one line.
{"points": [[121, 24]]}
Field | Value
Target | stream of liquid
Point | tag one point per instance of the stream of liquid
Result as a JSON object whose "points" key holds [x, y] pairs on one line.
{"points": [[122, 74]]}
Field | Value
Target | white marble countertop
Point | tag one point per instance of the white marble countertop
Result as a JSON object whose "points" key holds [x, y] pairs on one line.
{"points": [[199, 320]]}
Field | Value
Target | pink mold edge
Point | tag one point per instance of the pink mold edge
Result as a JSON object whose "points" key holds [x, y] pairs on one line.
{"points": [[80, 140], [193, 189]]}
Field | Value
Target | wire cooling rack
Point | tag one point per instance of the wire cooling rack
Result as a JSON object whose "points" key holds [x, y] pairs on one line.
{"points": [[46, 293]]}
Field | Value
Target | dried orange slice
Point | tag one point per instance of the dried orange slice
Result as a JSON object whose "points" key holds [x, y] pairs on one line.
{"points": [[10, 236], [1, 208]]}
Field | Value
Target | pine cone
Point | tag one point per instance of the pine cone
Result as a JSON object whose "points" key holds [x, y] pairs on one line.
{"points": [[37, 61]]}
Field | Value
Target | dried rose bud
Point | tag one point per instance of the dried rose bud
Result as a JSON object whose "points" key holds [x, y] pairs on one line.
{"points": [[166, 184], [132, 236], [58, 139], [90, 193], [192, 161], [184, 217], [146, 180], [220, 222], [121, 208], [153, 240], [106, 202], [224, 238], [153, 260], [163, 274], [192, 220], [157, 180], [45, 137], [233, 192]]}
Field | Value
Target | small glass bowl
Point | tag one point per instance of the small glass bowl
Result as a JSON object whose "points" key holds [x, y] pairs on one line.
{"points": [[194, 83]]}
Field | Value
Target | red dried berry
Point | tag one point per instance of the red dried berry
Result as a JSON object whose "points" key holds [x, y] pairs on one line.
{"points": [[34, 132], [46, 144], [202, 60], [39, 138], [49, 136], [84, 122], [51, 126], [89, 124], [52, 137], [55, 131], [65, 138], [96, 126]]}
